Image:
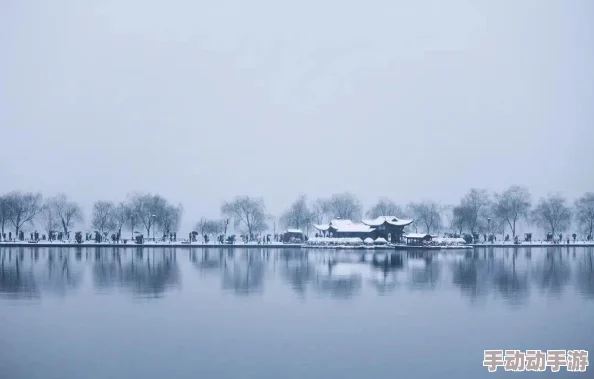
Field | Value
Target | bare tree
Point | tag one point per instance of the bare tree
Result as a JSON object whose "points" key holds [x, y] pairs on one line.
{"points": [[428, 214], [584, 207], [103, 216], [148, 208], [460, 217], [247, 212], [214, 227], [67, 212], [345, 206], [298, 215], [384, 207], [4, 213], [131, 217], [201, 226], [49, 220], [474, 208], [120, 217], [552, 214], [169, 218], [23, 208], [511, 206], [320, 210]]}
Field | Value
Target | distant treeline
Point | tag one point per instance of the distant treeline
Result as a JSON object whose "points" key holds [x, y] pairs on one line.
{"points": [[477, 212]]}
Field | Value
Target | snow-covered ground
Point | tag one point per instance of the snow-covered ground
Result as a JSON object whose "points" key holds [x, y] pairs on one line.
{"points": [[145, 243], [536, 243]]}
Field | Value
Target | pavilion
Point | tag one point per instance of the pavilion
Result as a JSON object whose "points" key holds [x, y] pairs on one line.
{"points": [[388, 227]]}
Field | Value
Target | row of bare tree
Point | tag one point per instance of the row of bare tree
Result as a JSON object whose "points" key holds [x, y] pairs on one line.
{"points": [[59, 213], [478, 212]]}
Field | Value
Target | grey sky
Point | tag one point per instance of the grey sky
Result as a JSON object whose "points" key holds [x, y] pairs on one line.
{"points": [[201, 101]]}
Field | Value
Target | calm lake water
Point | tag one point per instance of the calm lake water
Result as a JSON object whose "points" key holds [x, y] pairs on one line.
{"points": [[251, 313]]}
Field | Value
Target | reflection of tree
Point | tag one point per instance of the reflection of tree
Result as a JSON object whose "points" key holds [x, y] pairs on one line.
{"points": [[244, 277], [26, 277], [17, 283], [207, 260], [584, 276], [61, 273], [512, 284], [552, 274], [427, 276], [298, 272], [339, 286], [150, 276], [471, 276]]}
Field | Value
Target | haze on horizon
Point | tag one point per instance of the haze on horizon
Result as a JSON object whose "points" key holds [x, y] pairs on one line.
{"points": [[202, 101]]}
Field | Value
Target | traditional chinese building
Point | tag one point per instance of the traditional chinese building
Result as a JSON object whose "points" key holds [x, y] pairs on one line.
{"points": [[387, 227], [418, 239]]}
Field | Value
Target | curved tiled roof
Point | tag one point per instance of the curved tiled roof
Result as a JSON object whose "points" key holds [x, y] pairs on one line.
{"points": [[392, 220]]}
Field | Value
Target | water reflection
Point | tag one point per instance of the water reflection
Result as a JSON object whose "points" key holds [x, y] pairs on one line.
{"points": [[507, 275], [21, 276], [245, 276], [553, 273], [147, 273], [384, 273], [424, 270], [297, 270], [584, 273], [338, 280], [511, 280]]}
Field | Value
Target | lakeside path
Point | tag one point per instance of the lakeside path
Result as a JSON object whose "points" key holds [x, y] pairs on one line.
{"points": [[271, 245], [148, 245], [536, 244]]}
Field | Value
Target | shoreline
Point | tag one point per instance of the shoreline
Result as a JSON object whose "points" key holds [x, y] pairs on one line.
{"points": [[544, 244], [282, 246], [146, 245]]}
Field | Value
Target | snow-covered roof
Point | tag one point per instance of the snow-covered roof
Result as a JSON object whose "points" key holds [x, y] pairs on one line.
{"points": [[346, 226], [293, 231], [392, 220], [368, 240], [417, 235], [380, 240]]}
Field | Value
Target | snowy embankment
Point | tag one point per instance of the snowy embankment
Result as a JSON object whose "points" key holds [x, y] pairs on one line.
{"points": [[534, 243], [145, 244]]}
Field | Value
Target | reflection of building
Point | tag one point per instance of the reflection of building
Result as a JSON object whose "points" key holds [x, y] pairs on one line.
{"points": [[388, 227]]}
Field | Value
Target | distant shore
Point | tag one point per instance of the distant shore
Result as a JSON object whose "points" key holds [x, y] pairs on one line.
{"points": [[148, 245], [536, 244], [275, 245]]}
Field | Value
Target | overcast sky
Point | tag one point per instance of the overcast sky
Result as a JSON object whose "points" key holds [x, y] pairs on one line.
{"points": [[201, 101]]}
